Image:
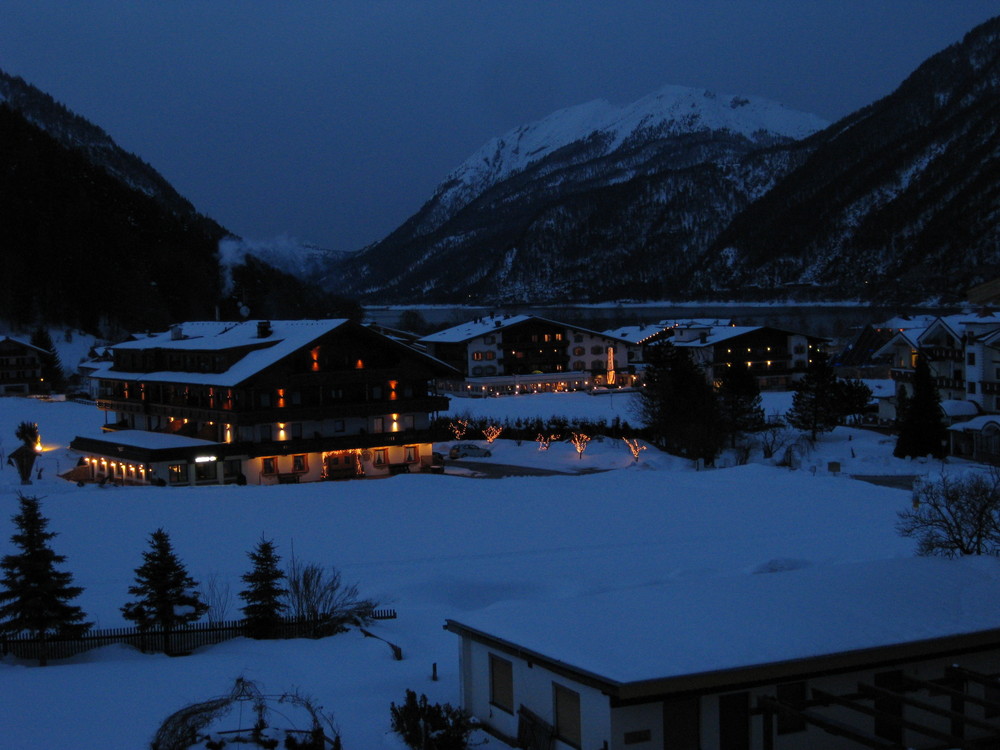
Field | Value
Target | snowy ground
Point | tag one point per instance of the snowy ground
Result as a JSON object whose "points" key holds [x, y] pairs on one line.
{"points": [[430, 546]]}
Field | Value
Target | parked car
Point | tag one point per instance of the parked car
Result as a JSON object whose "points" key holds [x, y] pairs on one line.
{"points": [[461, 450]]}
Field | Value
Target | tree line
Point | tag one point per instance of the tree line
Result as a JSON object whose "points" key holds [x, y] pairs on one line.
{"points": [[36, 595], [687, 415]]}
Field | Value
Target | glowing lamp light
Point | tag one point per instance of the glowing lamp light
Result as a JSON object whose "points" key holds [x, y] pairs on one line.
{"points": [[204, 459]]}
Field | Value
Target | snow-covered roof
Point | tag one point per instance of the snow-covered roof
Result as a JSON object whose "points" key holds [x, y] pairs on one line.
{"points": [[908, 337], [284, 338], [23, 343], [148, 440], [717, 335], [634, 334], [473, 328], [907, 322], [692, 625], [976, 423], [694, 322], [953, 408], [488, 324]]}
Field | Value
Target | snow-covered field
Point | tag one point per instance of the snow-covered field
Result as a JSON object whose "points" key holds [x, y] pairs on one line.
{"points": [[430, 546]]}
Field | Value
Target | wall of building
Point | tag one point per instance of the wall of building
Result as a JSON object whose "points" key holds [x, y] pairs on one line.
{"points": [[533, 689], [644, 723], [650, 716]]}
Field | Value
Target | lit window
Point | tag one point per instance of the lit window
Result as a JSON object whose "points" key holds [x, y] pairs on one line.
{"points": [[410, 454], [177, 473], [381, 457]]}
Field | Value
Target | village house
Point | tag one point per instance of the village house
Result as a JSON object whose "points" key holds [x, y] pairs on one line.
{"points": [[20, 367], [507, 354], [878, 654], [776, 357], [262, 402], [962, 353]]}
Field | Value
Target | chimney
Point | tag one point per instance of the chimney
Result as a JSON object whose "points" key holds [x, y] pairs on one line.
{"points": [[176, 334], [263, 329]]}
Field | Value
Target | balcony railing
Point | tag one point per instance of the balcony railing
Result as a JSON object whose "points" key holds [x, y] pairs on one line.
{"points": [[300, 413]]}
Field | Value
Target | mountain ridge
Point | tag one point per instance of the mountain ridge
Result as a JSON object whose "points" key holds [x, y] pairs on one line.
{"points": [[517, 188]]}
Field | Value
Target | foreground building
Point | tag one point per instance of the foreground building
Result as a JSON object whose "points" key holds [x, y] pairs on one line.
{"points": [[262, 402], [879, 654]]}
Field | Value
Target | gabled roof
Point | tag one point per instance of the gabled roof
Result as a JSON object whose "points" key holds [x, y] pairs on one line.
{"points": [[719, 334], [952, 325], [473, 329], [695, 322], [284, 337], [24, 344], [489, 324], [909, 338], [635, 334], [708, 631]]}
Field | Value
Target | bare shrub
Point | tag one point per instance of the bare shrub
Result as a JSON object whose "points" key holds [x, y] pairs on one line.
{"points": [[953, 517], [215, 593], [319, 593], [773, 438]]}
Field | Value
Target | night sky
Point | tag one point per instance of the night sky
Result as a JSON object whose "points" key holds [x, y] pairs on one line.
{"points": [[331, 122]]}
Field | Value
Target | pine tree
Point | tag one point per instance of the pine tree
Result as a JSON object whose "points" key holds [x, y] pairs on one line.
{"points": [[922, 431], [679, 406], [264, 593], [740, 403], [853, 397], [52, 371], [815, 405], [167, 594], [35, 596]]}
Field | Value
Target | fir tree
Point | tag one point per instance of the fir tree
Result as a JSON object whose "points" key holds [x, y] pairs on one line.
{"points": [[815, 405], [167, 595], [35, 596], [922, 431], [264, 594], [52, 371], [739, 403], [679, 406], [853, 397]]}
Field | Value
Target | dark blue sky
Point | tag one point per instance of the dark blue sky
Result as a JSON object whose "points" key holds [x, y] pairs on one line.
{"points": [[332, 121]]}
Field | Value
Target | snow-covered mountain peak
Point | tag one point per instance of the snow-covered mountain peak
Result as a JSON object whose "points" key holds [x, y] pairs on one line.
{"points": [[673, 110]]}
